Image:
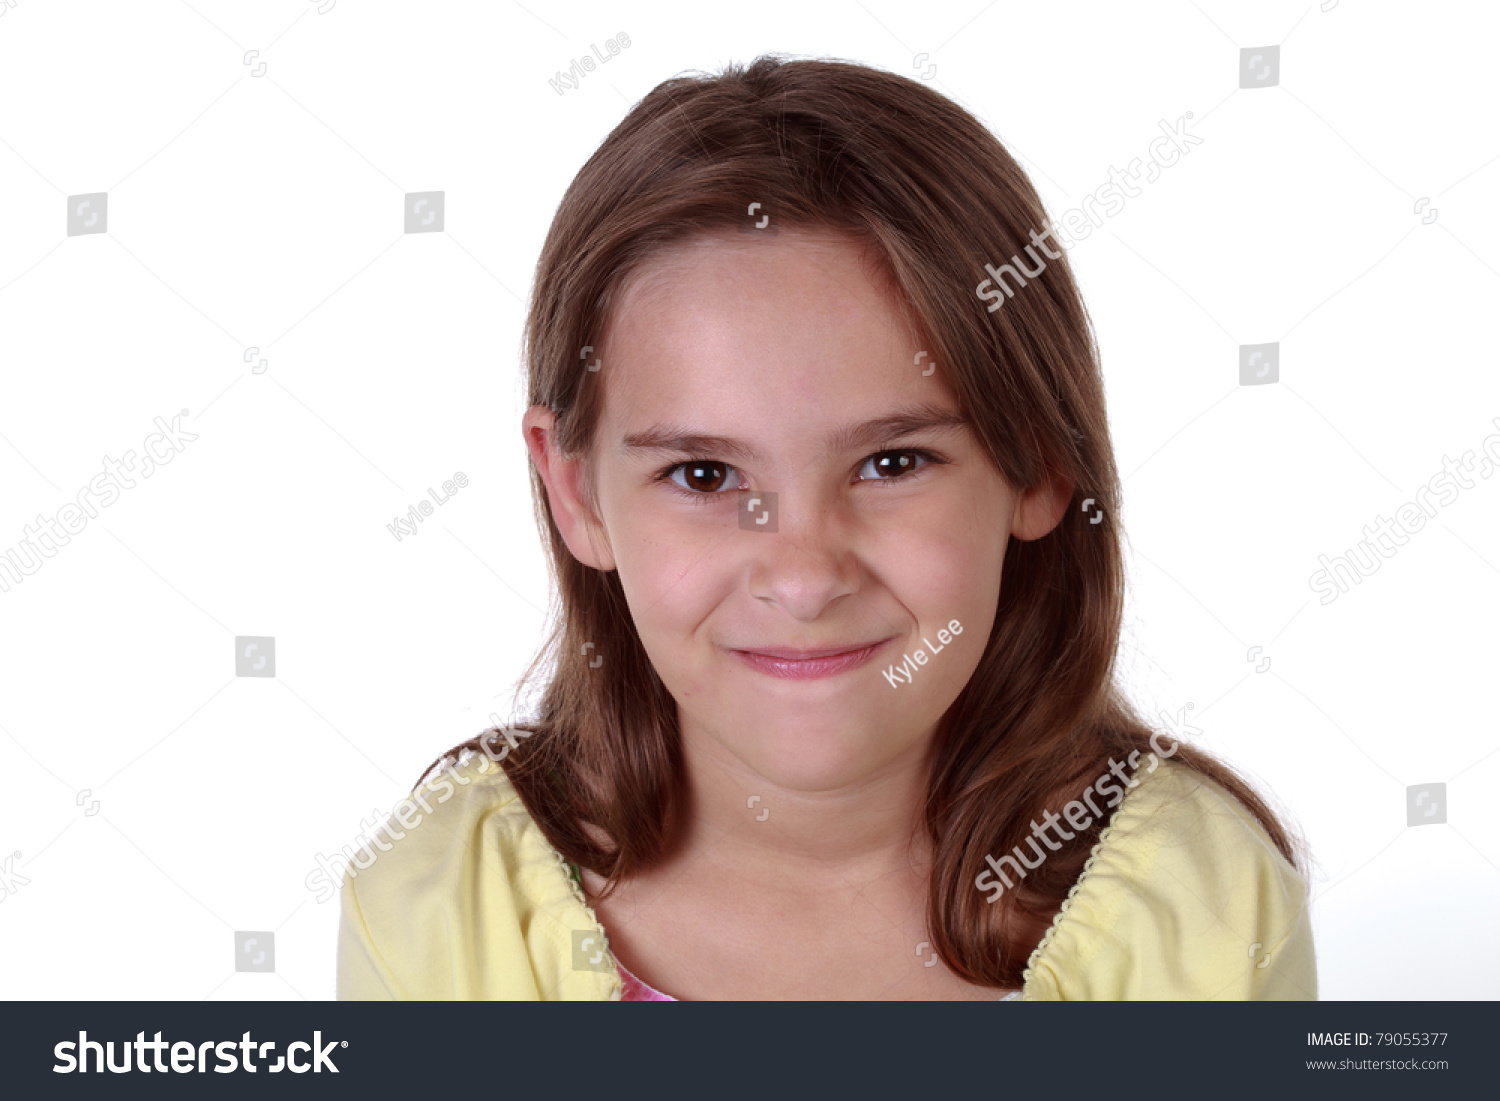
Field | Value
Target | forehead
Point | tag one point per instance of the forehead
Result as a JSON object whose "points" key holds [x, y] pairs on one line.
{"points": [[760, 266], [781, 340]]}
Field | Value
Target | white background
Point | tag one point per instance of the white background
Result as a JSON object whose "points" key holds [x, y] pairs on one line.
{"points": [[266, 212]]}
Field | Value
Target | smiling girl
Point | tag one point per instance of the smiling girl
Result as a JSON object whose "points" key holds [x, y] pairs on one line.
{"points": [[829, 711]]}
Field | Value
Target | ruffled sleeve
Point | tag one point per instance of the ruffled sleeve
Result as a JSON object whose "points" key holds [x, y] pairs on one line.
{"points": [[1184, 897], [470, 902]]}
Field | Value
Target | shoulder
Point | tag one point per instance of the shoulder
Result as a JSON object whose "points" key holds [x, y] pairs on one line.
{"points": [[459, 895], [1185, 897]]}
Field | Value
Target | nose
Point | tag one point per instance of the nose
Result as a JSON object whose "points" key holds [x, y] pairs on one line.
{"points": [[807, 563]]}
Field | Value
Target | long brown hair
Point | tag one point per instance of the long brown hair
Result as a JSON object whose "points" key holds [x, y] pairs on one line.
{"points": [[894, 165]]}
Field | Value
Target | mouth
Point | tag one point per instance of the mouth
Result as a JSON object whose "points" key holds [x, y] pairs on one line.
{"points": [[789, 663]]}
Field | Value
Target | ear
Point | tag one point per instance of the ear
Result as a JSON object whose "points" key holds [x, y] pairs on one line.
{"points": [[564, 478], [1041, 509]]}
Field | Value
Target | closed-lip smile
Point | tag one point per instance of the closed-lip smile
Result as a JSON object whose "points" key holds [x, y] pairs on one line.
{"points": [[791, 663]]}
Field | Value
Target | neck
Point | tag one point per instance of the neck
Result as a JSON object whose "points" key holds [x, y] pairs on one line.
{"points": [[854, 832]]}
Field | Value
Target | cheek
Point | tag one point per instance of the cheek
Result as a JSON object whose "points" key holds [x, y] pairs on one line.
{"points": [[945, 558], [671, 577]]}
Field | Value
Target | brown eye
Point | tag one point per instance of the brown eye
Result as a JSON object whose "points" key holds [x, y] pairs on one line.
{"points": [[892, 464], [705, 477]]}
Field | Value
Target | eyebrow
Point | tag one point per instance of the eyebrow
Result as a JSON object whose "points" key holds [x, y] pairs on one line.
{"points": [[675, 438]]}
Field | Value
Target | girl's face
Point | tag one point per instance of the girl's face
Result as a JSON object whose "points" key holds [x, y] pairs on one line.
{"points": [[780, 476]]}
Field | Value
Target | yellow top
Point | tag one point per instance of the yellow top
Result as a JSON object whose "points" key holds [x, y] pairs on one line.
{"points": [[1184, 897]]}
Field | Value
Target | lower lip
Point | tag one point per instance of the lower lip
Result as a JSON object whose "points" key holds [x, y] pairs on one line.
{"points": [[809, 668]]}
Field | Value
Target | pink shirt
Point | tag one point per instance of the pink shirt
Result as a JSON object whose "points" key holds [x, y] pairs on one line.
{"points": [[637, 991]]}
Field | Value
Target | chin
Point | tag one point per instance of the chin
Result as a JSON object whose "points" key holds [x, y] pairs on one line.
{"points": [[817, 759]]}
